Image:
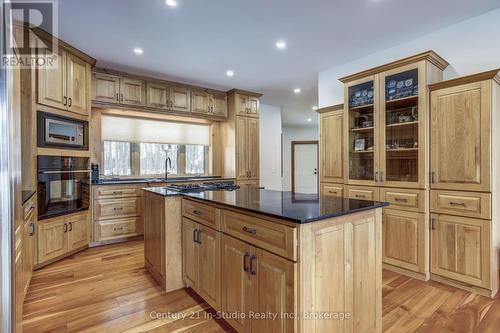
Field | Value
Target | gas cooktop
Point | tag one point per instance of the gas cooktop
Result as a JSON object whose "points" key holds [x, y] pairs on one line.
{"points": [[200, 187]]}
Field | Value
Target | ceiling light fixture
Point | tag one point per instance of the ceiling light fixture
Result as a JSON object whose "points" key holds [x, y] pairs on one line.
{"points": [[171, 3], [281, 44], [138, 50], [297, 90], [309, 120], [229, 73]]}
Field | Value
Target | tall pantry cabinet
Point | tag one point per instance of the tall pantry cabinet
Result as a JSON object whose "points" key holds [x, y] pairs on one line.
{"points": [[464, 181]]}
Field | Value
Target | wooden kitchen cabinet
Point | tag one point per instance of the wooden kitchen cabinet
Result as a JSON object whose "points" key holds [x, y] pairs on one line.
{"points": [[460, 131], [157, 95], [132, 92], [66, 87], [154, 233], [362, 192], [180, 99], [218, 105], [460, 249], [247, 146], [201, 261], [59, 236], [105, 88], [336, 190], [405, 240], [199, 101], [331, 144]]}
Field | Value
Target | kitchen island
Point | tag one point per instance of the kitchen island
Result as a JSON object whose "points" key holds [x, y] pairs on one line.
{"points": [[270, 261]]}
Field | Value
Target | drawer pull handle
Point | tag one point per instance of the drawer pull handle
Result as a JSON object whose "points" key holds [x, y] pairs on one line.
{"points": [[332, 192], [117, 192], [401, 200], [359, 196], [250, 230], [252, 272], [457, 203], [245, 257], [118, 208], [118, 229], [197, 212]]}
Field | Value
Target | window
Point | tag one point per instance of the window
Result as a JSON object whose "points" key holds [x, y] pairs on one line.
{"points": [[137, 147], [117, 158], [153, 158]]}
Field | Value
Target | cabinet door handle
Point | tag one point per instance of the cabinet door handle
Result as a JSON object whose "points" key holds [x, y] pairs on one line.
{"points": [[382, 176], [245, 257], [70, 102], [121, 97], [195, 235], [376, 176], [198, 236], [32, 232], [65, 227], [71, 226], [433, 223], [252, 272], [117, 96], [433, 177], [252, 231], [457, 203], [65, 100]]}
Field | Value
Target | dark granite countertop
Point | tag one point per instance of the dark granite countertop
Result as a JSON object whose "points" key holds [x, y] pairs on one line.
{"points": [[293, 207], [26, 195], [159, 180]]}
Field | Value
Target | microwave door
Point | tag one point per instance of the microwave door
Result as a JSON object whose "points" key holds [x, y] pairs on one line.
{"points": [[61, 132]]}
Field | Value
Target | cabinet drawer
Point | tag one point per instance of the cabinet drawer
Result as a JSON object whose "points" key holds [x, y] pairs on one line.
{"points": [[271, 236], [332, 190], [110, 229], [199, 212], [404, 199], [108, 192], [116, 208], [468, 204], [363, 193]]}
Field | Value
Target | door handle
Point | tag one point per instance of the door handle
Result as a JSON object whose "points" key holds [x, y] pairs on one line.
{"points": [[32, 232], [121, 96], [381, 176], [65, 227], [71, 226], [433, 177], [198, 236], [117, 96], [433, 223], [195, 235], [245, 257], [65, 100], [252, 272], [69, 102], [376, 176]]}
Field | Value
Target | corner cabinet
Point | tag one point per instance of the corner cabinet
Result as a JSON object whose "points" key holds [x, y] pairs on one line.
{"points": [[66, 87]]}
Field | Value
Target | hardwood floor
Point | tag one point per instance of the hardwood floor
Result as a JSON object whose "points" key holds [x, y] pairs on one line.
{"points": [[107, 289]]}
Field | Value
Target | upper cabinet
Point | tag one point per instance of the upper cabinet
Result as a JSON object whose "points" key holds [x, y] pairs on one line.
{"points": [[461, 133], [247, 104], [331, 143], [66, 87], [385, 116], [112, 88]]}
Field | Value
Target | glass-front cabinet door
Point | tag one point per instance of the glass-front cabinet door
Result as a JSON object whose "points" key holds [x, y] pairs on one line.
{"points": [[361, 121], [402, 98]]}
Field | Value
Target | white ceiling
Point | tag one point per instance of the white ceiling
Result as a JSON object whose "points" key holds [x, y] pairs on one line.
{"points": [[197, 41]]}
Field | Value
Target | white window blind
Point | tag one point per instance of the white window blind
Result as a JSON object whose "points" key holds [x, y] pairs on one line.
{"points": [[153, 131]]}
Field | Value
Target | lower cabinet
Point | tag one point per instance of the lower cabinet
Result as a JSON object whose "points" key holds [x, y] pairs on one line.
{"points": [[201, 261], [256, 281], [460, 249], [61, 235], [404, 242], [328, 189]]}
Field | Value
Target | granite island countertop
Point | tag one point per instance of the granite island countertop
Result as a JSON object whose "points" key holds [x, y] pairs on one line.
{"points": [[125, 181], [290, 206]]}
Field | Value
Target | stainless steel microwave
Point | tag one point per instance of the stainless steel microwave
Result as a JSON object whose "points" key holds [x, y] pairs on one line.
{"points": [[61, 132]]}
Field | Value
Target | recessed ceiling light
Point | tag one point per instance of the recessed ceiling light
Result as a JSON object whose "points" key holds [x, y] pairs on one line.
{"points": [[281, 44], [297, 90], [309, 120], [171, 3], [138, 50], [315, 108], [229, 73]]}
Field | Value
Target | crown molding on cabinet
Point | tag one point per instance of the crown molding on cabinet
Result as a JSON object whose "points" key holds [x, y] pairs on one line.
{"points": [[489, 75], [430, 56], [331, 108], [244, 92]]}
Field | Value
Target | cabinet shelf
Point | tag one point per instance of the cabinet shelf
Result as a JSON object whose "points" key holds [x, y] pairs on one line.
{"points": [[362, 151], [401, 149], [366, 107], [402, 101], [408, 124], [362, 129]]}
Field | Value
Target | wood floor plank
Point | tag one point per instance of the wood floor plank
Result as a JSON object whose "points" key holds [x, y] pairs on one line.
{"points": [[107, 289]]}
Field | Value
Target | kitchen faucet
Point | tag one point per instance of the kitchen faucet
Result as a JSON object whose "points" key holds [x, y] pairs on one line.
{"points": [[168, 164]]}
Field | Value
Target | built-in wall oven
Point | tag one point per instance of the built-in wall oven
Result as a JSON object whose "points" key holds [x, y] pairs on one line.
{"points": [[63, 185], [61, 132]]}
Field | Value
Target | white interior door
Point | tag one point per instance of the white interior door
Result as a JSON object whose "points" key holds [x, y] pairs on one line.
{"points": [[306, 168]]}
